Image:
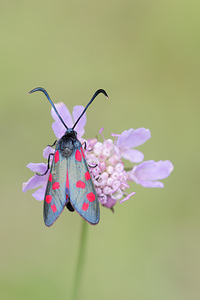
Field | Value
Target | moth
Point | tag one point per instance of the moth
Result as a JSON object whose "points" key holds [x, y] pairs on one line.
{"points": [[69, 183]]}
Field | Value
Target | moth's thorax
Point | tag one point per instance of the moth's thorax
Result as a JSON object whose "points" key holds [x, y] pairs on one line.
{"points": [[68, 142]]}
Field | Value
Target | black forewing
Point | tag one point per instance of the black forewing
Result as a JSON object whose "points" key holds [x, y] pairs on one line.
{"points": [[55, 197], [82, 193]]}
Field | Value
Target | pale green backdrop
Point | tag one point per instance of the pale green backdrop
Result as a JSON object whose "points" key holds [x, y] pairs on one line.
{"points": [[146, 55]]}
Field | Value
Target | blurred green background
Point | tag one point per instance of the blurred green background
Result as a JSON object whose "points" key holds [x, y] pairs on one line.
{"points": [[145, 54]]}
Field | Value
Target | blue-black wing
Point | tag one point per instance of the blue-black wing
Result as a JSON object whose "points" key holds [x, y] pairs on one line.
{"points": [[55, 197], [82, 193]]}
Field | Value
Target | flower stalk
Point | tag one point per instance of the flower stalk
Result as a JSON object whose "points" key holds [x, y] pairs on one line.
{"points": [[80, 261]]}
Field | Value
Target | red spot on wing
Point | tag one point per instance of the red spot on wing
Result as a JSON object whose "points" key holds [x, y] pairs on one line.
{"points": [[91, 197], [83, 153], [87, 175], [67, 196], [85, 206], [50, 177], [48, 198], [67, 181], [78, 155], [53, 207], [56, 156], [55, 186], [80, 184]]}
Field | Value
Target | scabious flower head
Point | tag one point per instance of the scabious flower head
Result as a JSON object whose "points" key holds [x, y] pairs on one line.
{"points": [[107, 171], [105, 158]]}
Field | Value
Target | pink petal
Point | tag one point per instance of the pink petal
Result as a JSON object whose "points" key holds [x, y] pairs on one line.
{"points": [[37, 167], [110, 202], [151, 184], [58, 128], [133, 138], [40, 193], [123, 138], [34, 182], [133, 155], [47, 151], [152, 170], [77, 110], [149, 172]]}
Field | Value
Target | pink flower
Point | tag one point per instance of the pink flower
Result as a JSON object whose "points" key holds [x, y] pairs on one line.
{"points": [[105, 160]]}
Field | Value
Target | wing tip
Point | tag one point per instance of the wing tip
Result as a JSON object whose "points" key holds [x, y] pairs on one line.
{"points": [[50, 223]]}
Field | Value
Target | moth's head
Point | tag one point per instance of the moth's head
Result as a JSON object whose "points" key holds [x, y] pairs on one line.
{"points": [[70, 132]]}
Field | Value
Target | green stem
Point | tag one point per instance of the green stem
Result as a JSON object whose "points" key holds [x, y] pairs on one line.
{"points": [[80, 261]]}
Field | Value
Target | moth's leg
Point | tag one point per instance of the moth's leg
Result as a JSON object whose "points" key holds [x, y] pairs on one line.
{"points": [[98, 178], [53, 144], [48, 165], [84, 145], [94, 166]]}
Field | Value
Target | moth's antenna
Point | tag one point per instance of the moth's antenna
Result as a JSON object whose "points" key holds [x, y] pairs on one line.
{"points": [[47, 95], [94, 96]]}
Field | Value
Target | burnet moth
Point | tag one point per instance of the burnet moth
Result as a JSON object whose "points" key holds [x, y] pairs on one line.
{"points": [[70, 183]]}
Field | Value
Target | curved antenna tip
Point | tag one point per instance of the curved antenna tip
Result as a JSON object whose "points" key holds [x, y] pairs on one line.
{"points": [[38, 89], [93, 97], [102, 91]]}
